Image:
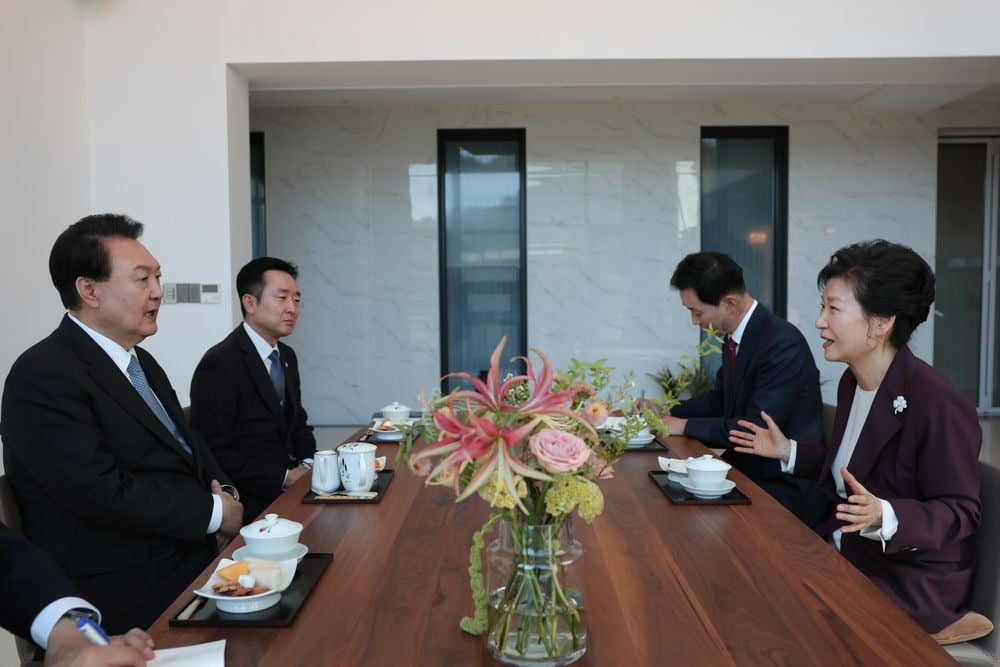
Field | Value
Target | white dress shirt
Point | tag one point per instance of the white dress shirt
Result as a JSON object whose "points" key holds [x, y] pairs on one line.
{"points": [[121, 358], [47, 618]]}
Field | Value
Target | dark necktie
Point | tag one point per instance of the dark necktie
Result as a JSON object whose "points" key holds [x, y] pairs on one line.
{"points": [[731, 354], [277, 373], [141, 385]]}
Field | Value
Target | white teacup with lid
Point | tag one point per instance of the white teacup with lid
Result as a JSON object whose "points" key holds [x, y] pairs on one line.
{"points": [[396, 411], [707, 470], [271, 536]]}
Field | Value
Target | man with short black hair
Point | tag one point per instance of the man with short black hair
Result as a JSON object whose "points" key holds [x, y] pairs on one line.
{"points": [[246, 399], [766, 365], [112, 483]]}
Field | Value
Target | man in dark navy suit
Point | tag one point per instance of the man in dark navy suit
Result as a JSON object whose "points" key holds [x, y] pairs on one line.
{"points": [[245, 393], [38, 600], [766, 365], [112, 483]]}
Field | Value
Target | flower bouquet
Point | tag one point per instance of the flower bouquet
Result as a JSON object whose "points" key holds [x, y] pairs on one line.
{"points": [[527, 445]]}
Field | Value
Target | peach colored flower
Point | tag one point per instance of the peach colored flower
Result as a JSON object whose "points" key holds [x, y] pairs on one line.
{"points": [[422, 467], [558, 451], [601, 467], [596, 412]]}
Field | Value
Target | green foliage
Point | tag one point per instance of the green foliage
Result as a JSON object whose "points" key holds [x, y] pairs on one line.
{"points": [[692, 376]]}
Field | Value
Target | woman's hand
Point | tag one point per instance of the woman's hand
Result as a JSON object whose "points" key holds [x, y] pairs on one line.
{"points": [[768, 442], [862, 510]]}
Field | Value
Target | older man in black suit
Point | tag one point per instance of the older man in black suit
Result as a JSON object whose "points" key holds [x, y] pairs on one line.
{"points": [[112, 483], [245, 394], [766, 365]]}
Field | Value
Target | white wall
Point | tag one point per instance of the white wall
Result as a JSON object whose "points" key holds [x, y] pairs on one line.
{"points": [[612, 207], [43, 160], [43, 163], [357, 30]]}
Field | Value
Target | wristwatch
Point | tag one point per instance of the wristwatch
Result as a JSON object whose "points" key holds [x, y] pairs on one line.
{"points": [[231, 490], [78, 613]]}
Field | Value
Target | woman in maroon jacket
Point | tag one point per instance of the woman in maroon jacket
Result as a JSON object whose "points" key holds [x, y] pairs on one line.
{"points": [[903, 473]]}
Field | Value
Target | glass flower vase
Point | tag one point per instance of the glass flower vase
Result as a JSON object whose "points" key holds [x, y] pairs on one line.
{"points": [[536, 600]]}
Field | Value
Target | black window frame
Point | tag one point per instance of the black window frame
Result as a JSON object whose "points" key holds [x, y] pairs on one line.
{"points": [[444, 136], [778, 134]]}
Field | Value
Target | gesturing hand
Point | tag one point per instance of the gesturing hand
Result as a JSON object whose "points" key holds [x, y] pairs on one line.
{"points": [[862, 509], [768, 442]]}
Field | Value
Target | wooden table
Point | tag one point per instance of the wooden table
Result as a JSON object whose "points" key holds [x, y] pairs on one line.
{"points": [[665, 585]]}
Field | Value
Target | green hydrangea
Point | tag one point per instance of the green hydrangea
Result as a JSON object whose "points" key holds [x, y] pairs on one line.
{"points": [[574, 492], [495, 492]]}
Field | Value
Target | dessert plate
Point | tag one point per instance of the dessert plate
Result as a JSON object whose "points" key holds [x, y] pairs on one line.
{"points": [[247, 603]]}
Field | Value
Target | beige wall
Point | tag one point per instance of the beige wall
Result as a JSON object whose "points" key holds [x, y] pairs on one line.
{"points": [[43, 160]]}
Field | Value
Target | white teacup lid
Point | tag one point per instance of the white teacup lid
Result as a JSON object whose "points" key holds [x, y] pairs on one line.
{"points": [[707, 462], [395, 407], [357, 447], [271, 526]]}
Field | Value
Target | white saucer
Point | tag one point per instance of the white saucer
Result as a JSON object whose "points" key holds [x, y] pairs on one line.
{"points": [[298, 552], [641, 442], [708, 492], [676, 477], [388, 436]]}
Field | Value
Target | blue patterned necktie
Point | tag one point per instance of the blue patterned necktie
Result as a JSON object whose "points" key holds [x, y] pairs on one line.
{"points": [[138, 378], [277, 373]]}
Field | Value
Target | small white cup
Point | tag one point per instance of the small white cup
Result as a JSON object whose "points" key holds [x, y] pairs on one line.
{"points": [[325, 471]]}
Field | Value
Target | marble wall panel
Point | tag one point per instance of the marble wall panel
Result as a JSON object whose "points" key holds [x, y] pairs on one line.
{"points": [[612, 207]]}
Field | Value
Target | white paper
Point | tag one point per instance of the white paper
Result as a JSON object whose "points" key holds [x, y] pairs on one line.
{"points": [[212, 654]]}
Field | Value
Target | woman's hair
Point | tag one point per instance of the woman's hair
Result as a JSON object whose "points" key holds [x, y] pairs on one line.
{"points": [[887, 279]]}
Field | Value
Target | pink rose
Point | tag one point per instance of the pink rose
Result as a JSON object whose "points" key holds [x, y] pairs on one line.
{"points": [[559, 452]]}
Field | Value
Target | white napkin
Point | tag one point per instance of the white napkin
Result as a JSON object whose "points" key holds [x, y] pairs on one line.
{"points": [[672, 465], [212, 654]]}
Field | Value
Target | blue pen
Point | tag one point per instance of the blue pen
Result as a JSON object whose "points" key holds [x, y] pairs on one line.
{"points": [[92, 631]]}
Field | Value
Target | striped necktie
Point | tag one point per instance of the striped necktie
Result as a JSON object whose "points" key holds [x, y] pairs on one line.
{"points": [[277, 373], [141, 385]]}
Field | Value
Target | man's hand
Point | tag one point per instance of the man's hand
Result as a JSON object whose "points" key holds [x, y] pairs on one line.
{"points": [[768, 442], [232, 513], [862, 510], [675, 424], [293, 475], [69, 648]]}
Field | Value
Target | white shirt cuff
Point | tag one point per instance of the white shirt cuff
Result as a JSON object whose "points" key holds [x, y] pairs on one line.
{"points": [[790, 465], [47, 618], [890, 524], [216, 520]]}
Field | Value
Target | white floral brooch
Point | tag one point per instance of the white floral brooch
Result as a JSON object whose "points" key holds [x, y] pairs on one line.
{"points": [[898, 405]]}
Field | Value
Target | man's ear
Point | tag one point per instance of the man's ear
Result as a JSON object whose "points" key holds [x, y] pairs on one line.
{"points": [[730, 302], [87, 289], [249, 303]]}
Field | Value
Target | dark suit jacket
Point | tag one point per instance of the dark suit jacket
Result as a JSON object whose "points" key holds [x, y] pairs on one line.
{"points": [[235, 408], [775, 372], [29, 581], [924, 461], [104, 488]]}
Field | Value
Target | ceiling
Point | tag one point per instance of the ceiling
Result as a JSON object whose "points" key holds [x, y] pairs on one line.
{"points": [[883, 85]]}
